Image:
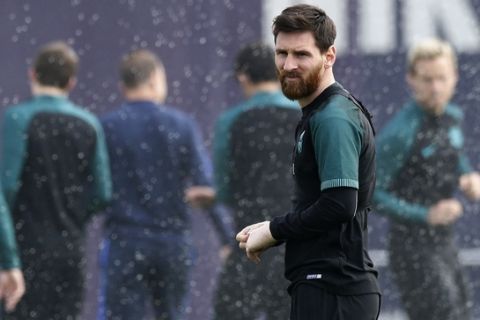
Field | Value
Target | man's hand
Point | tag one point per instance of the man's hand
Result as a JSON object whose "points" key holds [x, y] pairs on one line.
{"points": [[255, 239], [12, 287], [200, 196], [445, 212], [470, 185]]}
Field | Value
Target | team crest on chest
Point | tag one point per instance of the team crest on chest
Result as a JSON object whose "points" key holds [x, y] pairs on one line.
{"points": [[300, 142]]}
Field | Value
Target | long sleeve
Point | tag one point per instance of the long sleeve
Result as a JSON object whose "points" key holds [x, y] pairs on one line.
{"points": [[200, 170], [337, 142], [8, 248], [102, 173], [392, 148], [334, 207], [13, 153], [13, 156], [223, 222], [464, 165], [197, 165], [221, 159]]}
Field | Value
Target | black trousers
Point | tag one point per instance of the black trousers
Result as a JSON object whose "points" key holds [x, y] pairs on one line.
{"points": [[54, 289], [310, 302]]}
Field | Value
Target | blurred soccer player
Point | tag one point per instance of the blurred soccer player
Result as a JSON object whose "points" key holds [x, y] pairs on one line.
{"points": [[158, 164], [252, 146], [55, 175], [421, 165]]}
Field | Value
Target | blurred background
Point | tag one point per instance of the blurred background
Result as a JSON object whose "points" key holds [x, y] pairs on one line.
{"points": [[197, 41]]}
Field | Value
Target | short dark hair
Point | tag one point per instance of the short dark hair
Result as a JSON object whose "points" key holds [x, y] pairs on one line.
{"points": [[257, 61], [55, 64], [137, 67], [304, 17]]}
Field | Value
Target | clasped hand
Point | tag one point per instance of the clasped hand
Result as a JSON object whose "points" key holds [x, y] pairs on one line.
{"points": [[470, 185], [255, 239]]}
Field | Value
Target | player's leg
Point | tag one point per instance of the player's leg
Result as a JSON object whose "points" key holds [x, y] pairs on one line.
{"points": [[169, 279], [311, 302], [123, 293]]}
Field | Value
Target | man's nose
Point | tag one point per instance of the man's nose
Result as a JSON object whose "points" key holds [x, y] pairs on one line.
{"points": [[290, 63]]}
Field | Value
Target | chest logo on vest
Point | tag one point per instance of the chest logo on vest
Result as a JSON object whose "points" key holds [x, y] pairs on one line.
{"points": [[300, 142]]}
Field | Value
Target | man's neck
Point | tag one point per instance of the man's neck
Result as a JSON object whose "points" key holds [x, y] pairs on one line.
{"points": [[142, 94], [325, 83], [432, 110], [38, 90]]}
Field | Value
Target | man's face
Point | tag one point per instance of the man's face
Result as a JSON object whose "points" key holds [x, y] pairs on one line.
{"points": [[433, 83], [300, 65]]}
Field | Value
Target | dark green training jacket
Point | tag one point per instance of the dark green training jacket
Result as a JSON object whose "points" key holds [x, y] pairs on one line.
{"points": [[436, 141], [55, 173]]}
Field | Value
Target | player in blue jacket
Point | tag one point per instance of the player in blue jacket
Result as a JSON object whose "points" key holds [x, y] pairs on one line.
{"points": [[158, 164]]}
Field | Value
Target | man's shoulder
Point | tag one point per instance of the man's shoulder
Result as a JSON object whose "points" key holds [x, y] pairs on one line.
{"points": [[54, 105], [80, 112], [128, 111], [259, 101], [19, 108], [274, 99], [227, 117], [23, 113], [171, 112], [402, 125], [173, 117], [407, 115], [278, 99], [337, 107], [454, 111]]}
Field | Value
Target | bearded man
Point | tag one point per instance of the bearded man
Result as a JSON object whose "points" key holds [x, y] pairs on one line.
{"points": [[333, 165]]}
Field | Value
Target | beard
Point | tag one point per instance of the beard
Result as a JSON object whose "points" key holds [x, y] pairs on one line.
{"points": [[303, 87]]}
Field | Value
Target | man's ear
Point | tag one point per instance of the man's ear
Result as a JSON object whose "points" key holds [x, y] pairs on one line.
{"points": [[72, 82], [121, 87], [31, 75], [242, 78], [409, 78], [330, 57]]}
